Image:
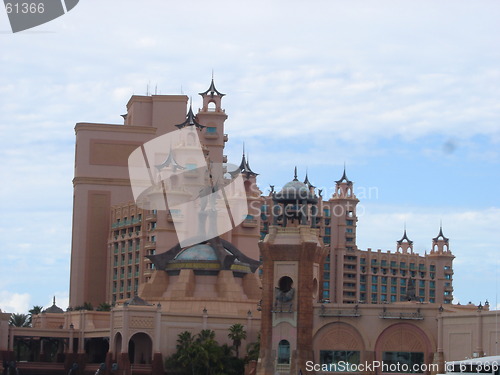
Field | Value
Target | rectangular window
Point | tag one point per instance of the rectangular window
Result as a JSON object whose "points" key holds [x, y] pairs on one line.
{"points": [[211, 129], [328, 231], [348, 230], [326, 285], [399, 361], [337, 360], [349, 222], [374, 279]]}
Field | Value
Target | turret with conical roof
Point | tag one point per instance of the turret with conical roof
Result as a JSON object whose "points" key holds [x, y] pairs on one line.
{"points": [[212, 95], [440, 243], [213, 117], [405, 244], [443, 258]]}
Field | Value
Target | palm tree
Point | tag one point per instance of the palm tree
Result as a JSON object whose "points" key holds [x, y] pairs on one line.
{"points": [[208, 352], [237, 333], [186, 350], [104, 307], [34, 311], [253, 349], [19, 320]]}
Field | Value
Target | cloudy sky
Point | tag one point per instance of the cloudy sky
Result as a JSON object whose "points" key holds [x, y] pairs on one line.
{"points": [[405, 93]]}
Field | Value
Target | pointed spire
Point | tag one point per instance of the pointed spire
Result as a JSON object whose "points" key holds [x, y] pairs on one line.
{"points": [[212, 90], [190, 119], [245, 166], [54, 301], [307, 182], [440, 235], [295, 174], [344, 178], [405, 237]]}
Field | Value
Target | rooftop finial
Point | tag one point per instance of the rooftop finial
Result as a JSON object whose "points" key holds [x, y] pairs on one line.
{"points": [[295, 174], [344, 177], [243, 148], [54, 300]]}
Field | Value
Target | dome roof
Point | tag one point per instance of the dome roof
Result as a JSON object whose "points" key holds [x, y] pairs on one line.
{"points": [[213, 255], [54, 309], [296, 190], [197, 252], [296, 187]]}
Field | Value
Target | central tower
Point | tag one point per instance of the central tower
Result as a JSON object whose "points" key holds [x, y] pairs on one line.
{"points": [[292, 253]]}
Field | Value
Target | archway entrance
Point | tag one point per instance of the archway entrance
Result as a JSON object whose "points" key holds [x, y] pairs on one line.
{"points": [[118, 346], [404, 348], [140, 348], [96, 349]]}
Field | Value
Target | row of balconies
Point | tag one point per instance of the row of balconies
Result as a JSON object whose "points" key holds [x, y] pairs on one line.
{"points": [[124, 223]]}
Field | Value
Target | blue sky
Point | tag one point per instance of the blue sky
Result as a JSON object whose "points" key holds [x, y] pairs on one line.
{"points": [[406, 93]]}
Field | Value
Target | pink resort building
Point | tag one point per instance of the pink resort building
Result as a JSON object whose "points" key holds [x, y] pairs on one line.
{"points": [[290, 269]]}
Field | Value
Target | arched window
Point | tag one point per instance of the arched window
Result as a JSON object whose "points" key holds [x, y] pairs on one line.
{"points": [[285, 284], [283, 352]]}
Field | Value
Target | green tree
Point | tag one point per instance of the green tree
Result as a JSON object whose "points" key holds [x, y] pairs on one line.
{"points": [[237, 333], [104, 307], [208, 352], [202, 355], [19, 320], [34, 311], [85, 306], [253, 350], [186, 351]]}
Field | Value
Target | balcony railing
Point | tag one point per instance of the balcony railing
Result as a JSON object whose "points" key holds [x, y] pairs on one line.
{"points": [[328, 312], [402, 315]]}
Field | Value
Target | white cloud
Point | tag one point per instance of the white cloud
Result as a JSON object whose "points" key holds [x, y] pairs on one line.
{"points": [[14, 302], [307, 85]]}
